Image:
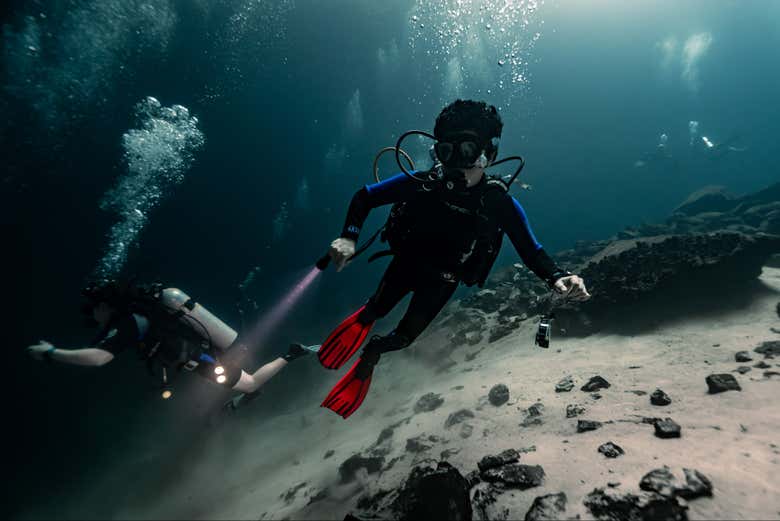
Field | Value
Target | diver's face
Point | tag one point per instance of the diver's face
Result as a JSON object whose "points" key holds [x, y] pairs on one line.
{"points": [[102, 313]]}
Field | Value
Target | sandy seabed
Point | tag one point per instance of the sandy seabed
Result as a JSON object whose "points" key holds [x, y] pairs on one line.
{"points": [[733, 437]]}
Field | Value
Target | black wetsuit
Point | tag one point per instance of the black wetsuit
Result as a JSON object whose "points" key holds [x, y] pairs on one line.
{"points": [[441, 241], [169, 344]]}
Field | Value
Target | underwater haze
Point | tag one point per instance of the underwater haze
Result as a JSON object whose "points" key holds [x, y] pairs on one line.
{"points": [[215, 145]]}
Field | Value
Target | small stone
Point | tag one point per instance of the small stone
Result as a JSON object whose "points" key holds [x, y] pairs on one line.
{"points": [[743, 356], [499, 395], [547, 508], [516, 475], [611, 450], [596, 396], [594, 384], [696, 485], [587, 425], [719, 383], [565, 385], [573, 410], [448, 453], [638, 393], [667, 428], [416, 445], [613, 484], [458, 417], [762, 365], [505, 458], [742, 369], [769, 349], [660, 398], [428, 402], [770, 374], [466, 430], [661, 481], [329, 453], [349, 468]]}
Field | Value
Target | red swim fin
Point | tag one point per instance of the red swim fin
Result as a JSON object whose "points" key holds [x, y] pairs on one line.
{"points": [[344, 341], [348, 394]]}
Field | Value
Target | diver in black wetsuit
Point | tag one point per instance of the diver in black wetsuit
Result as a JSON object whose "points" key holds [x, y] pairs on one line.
{"points": [[441, 233], [168, 329]]}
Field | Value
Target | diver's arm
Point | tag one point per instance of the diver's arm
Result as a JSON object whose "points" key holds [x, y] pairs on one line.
{"points": [[514, 222], [389, 191], [88, 356]]}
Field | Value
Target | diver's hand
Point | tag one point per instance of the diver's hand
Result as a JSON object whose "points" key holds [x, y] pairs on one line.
{"points": [[38, 350], [340, 251], [573, 287]]}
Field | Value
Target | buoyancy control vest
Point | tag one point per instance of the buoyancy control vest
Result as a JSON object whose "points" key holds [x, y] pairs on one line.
{"points": [[181, 330], [454, 230]]}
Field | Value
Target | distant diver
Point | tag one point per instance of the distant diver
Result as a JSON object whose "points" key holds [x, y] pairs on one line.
{"points": [[168, 329], [660, 153], [446, 227]]}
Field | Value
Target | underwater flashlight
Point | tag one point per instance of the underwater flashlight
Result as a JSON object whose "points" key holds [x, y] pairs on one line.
{"points": [[219, 370], [166, 394], [221, 379]]}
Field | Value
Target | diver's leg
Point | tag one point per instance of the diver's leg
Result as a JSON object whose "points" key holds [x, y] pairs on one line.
{"points": [[249, 383], [430, 296], [395, 284], [428, 300]]}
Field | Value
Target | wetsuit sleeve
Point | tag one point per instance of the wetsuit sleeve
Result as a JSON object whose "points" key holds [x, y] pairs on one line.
{"points": [[389, 191], [514, 222], [127, 332]]}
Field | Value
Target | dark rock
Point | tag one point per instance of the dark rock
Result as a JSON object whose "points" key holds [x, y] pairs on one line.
{"points": [[349, 468], [594, 384], [458, 417], [638, 393], [329, 453], [771, 348], [466, 431], [440, 493], [535, 410], [660, 398], [573, 410], [499, 395], [743, 356], [719, 383], [448, 453], [611, 505], [547, 508], [428, 402], [515, 475], [587, 425], [319, 496], [696, 485], [661, 481], [565, 385], [596, 396], [667, 428], [651, 420], [385, 435], [416, 445], [770, 374], [613, 484], [762, 365], [611, 450], [505, 458], [743, 369], [290, 494]]}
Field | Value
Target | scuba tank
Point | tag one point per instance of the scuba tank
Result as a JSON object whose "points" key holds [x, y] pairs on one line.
{"points": [[214, 331]]}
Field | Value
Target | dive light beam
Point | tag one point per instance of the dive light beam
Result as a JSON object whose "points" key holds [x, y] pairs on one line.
{"points": [[267, 323]]}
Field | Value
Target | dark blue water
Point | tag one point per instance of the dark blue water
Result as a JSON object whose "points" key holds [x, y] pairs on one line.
{"points": [[287, 91]]}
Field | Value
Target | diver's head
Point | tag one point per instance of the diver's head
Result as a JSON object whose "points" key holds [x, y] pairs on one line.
{"points": [[467, 135], [103, 300]]}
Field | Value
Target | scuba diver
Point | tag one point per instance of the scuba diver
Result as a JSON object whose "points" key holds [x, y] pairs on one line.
{"points": [[166, 328], [446, 227], [659, 155]]}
